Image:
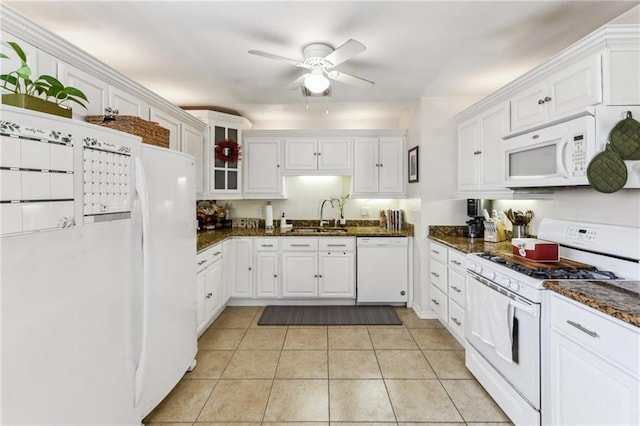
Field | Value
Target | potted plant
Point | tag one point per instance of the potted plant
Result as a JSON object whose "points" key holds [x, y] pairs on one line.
{"points": [[36, 94], [339, 202]]}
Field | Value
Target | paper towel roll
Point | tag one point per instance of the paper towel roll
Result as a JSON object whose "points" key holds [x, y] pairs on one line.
{"points": [[268, 220]]}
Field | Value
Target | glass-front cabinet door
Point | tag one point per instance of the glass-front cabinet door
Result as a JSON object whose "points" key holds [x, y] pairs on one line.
{"points": [[225, 175]]}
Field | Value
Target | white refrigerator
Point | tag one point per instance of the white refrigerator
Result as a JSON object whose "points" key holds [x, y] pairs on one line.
{"points": [[97, 272]]}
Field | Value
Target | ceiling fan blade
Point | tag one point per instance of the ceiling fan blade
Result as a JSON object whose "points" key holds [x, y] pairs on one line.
{"points": [[297, 82], [350, 79], [278, 58], [347, 51]]}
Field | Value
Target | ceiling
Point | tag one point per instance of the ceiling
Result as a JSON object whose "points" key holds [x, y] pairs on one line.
{"points": [[195, 52]]}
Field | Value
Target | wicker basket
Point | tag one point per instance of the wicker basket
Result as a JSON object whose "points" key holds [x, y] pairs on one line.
{"points": [[151, 133]]}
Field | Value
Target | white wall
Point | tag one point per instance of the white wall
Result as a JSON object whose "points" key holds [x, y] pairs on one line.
{"points": [[304, 198]]}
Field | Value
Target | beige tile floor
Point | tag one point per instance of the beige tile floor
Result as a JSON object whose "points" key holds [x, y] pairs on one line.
{"points": [[337, 375]]}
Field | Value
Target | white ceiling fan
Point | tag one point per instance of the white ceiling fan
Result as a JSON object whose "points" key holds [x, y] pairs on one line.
{"points": [[320, 60]]}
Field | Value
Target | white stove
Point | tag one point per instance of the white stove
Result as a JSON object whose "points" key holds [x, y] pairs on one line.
{"points": [[505, 312]]}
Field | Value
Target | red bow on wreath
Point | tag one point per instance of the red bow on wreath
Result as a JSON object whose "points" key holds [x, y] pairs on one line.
{"points": [[228, 150]]}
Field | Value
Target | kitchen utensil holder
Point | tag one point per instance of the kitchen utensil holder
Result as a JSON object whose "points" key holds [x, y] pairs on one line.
{"points": [[520, 231]]}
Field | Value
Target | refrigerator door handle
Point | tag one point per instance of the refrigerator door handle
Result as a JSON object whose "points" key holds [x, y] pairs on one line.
{"points": [[143, 195]]}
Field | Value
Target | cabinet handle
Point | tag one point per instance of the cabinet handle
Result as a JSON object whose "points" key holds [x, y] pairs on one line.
{"points": [[299, 245], [319, 153], [275, 276], [381, 164], [202, 261], [453, 287], [540, 101], [278, 165], [435, 275], [435, 302], [209, 296], [336, 245], [478, 152], [320, 276], [455, 262], [249, 267], [435, 251], [456, 320], [581, 328], [547, 99], [315, 276], [266, 245], [218, 253]]}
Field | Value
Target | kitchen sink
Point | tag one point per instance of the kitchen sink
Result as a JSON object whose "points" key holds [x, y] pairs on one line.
{"points": [[319, 230]]}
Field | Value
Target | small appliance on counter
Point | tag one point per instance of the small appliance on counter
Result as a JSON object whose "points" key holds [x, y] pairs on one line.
{"points": [[475, 209]]}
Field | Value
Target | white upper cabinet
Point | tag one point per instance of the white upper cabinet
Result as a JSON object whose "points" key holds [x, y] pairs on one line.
{"points": [[96, 90], [317, 155], [193, 144], [378, 168], [127, 104], [480, 147], [563, 93], [263, 172], [621, 76], [170, 122], [222, 179]]}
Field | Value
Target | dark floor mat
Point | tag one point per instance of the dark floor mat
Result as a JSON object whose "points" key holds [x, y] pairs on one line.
{"points": [[329, 315]]}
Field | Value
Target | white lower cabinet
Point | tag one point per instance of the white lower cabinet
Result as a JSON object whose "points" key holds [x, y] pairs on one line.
{"points": [[209, 286], [594, 373], [239, 268], [267, 271], [447, 275], [318, 267]]}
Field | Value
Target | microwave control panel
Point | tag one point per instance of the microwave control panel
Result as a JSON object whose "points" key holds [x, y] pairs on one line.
{"points": [[579, 155]]}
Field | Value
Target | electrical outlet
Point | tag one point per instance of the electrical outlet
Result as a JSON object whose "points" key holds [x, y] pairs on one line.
{"points": [[259, 211], [364, 211]]}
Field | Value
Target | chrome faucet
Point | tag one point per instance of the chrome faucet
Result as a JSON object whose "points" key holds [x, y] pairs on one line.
{"points": [[322, 222]]}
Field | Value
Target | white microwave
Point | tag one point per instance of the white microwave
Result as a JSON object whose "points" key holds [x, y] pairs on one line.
{"points": [[557, 155]]}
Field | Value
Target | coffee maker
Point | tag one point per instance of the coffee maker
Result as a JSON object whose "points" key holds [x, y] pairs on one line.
{"points": [[475, 210]]}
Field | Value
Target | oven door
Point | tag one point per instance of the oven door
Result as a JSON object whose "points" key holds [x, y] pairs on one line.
{"points": [[523, 372]]}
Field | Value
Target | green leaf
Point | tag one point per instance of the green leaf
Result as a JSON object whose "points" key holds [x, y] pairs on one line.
{"points": [[16, 48], [52, 81], [72, 91], [24, 71], [2, 55]]}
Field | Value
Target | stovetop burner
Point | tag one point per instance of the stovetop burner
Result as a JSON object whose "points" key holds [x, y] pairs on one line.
{"points": [[559, 273]]}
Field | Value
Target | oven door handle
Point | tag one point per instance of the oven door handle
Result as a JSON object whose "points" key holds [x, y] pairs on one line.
{"points": [[533, 310]]}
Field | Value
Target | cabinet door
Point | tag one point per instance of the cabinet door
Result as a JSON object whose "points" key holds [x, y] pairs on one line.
{"points": [[334, 154], [620, 71], [468, 134], [193, 144], [225, 176], [212, 289], [96, 90], [127, 104], [263, 175], [438, 302], [587, 390], [528, 107], [336, 273], [169, 122], [267, 279], [575, 88], [242, 285], [300, 154], [391, 168], [493, 125], [365, 166], [299, 274]]}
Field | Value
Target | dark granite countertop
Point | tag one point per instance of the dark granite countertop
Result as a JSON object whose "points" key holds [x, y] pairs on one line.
{"points": [[207, 238], [453, 236], [620, 299]]}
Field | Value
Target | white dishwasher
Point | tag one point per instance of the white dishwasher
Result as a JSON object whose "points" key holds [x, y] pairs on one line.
{"points": [[382, 270]]}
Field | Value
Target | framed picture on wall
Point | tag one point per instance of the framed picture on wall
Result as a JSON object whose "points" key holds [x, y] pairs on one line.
{"points": [[413, 165]]}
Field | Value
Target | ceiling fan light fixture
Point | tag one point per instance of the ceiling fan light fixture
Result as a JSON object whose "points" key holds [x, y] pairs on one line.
{"points": [[316, 81]]}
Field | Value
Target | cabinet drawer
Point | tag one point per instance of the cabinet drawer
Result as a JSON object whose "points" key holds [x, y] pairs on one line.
{"points": [[266, 244], [337, 244], [438, 302], [438, 252], [456, 287], [457, 260], [208, 257], [300, 244], [456, 318], [608, 337], [438, 275]]}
